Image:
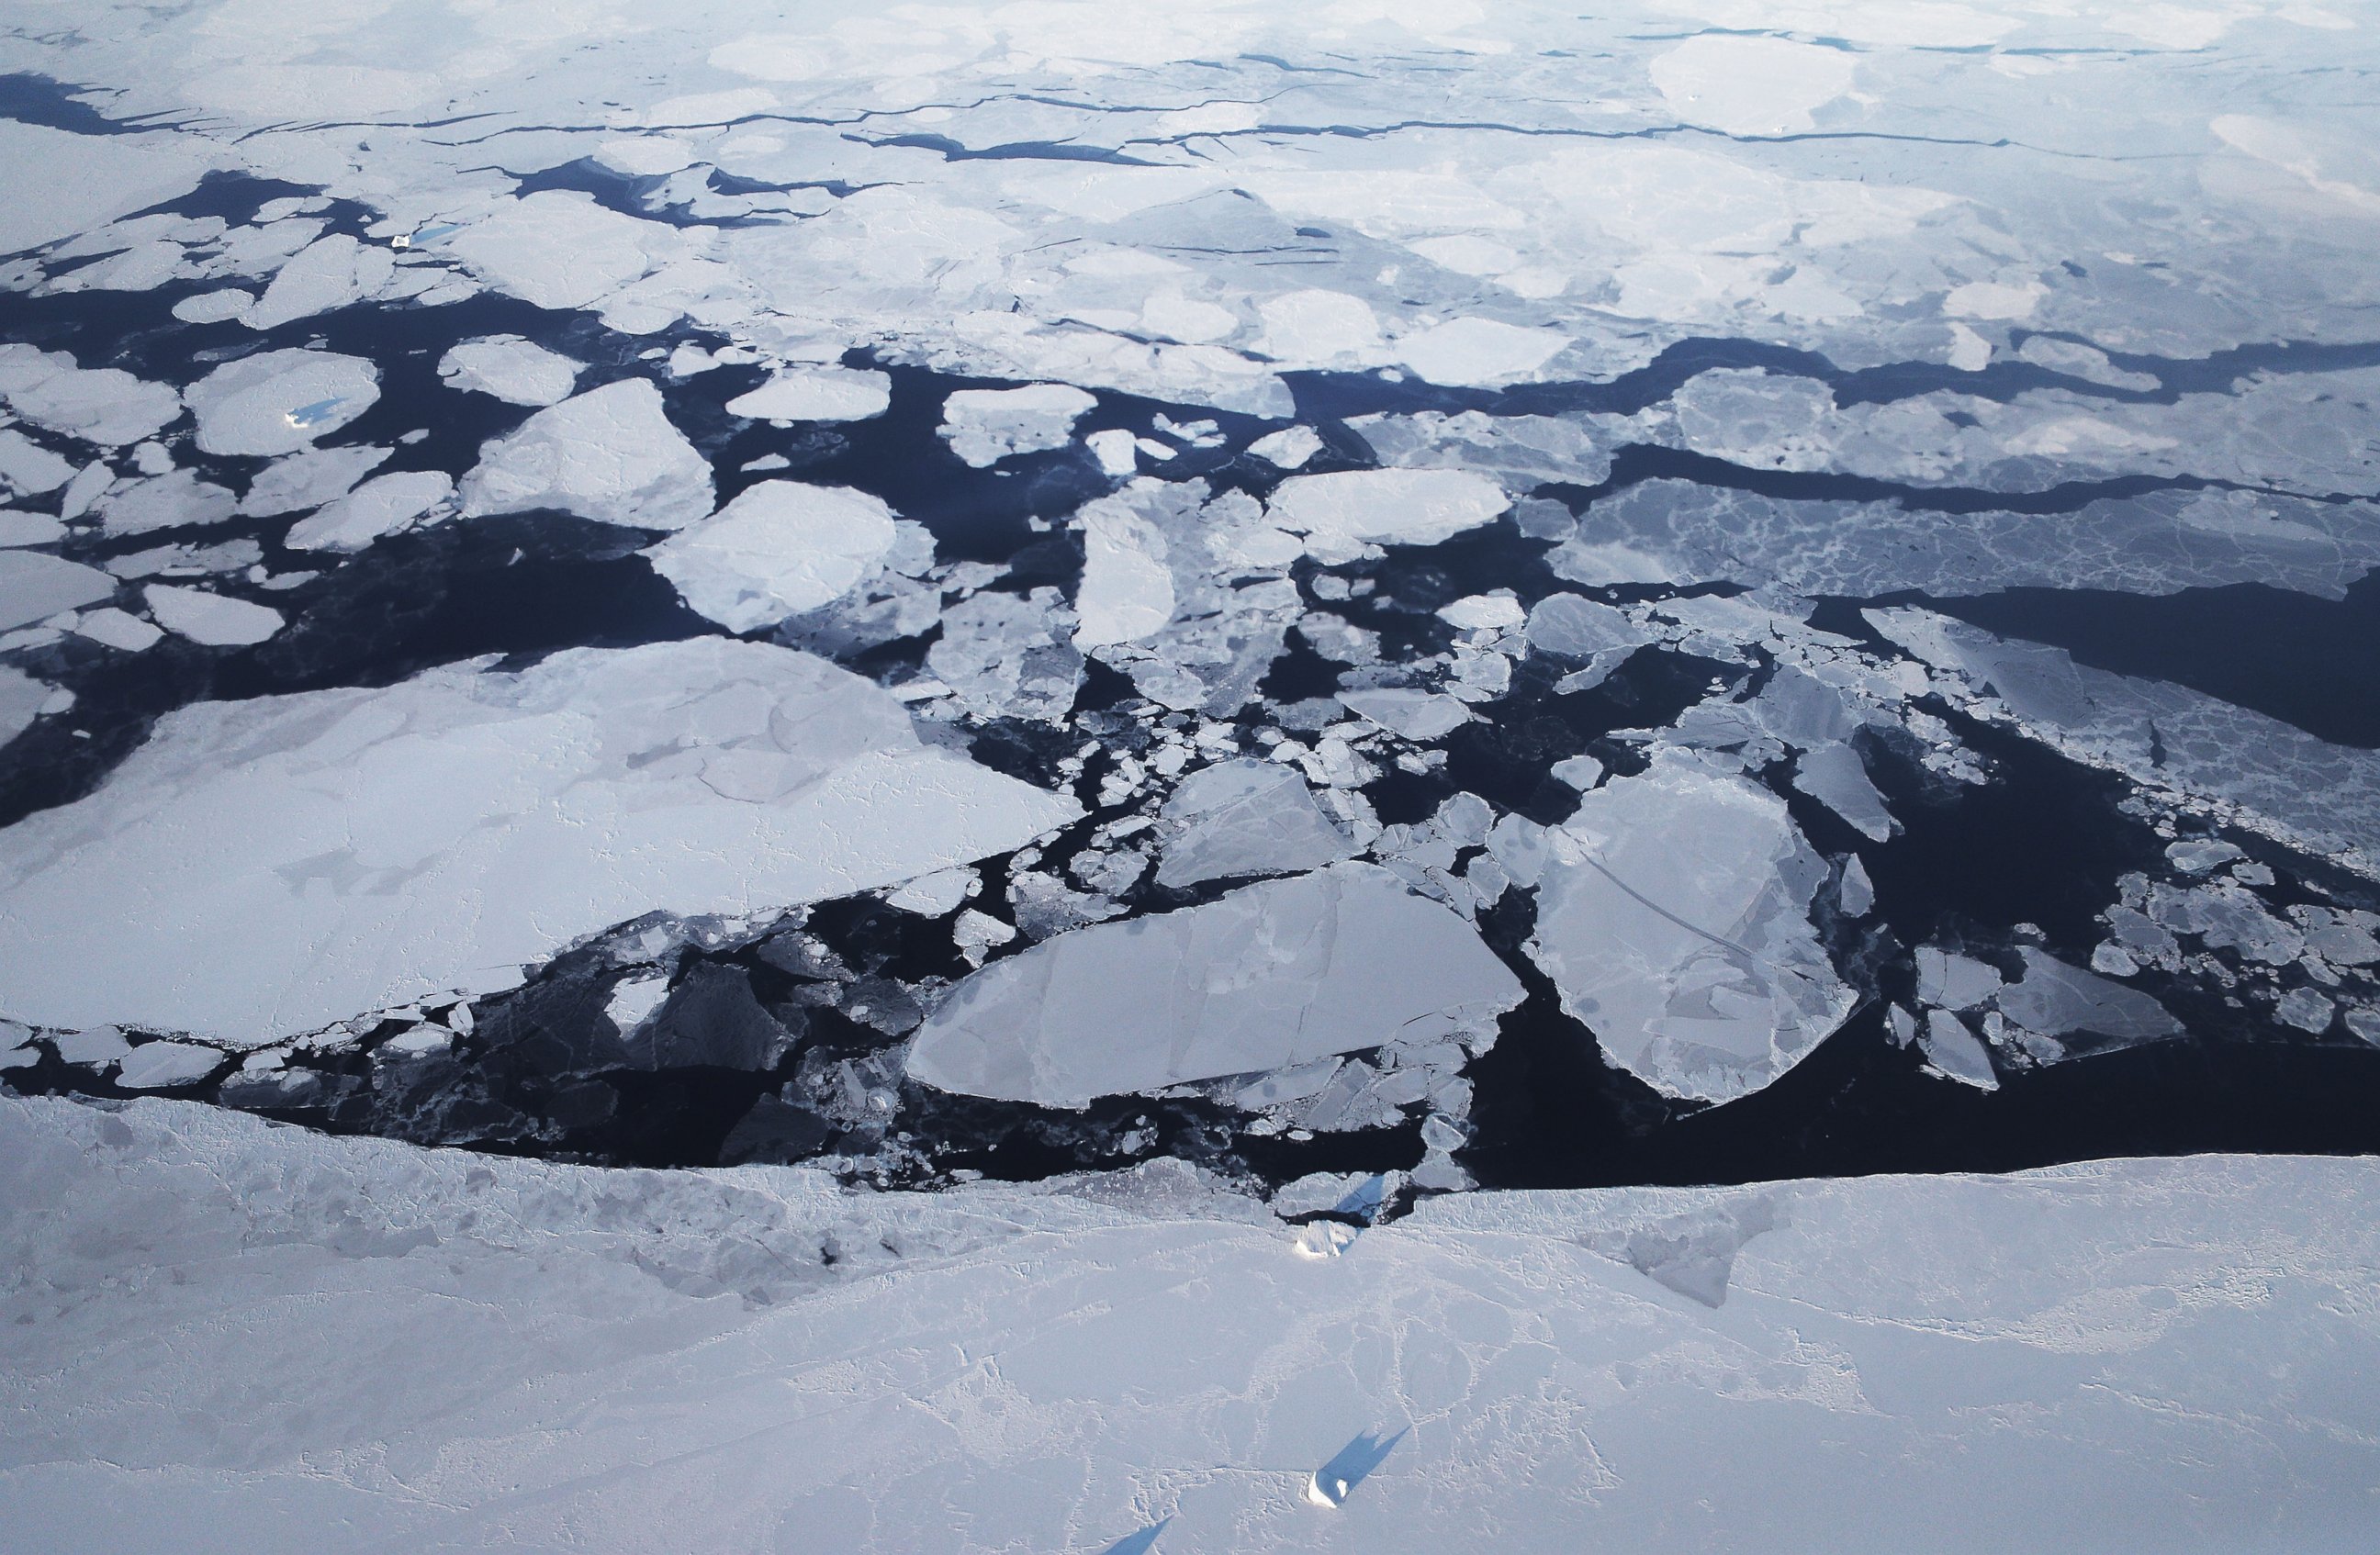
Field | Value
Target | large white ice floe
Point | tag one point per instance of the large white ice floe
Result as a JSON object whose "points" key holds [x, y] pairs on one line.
{"points": [[515, 1337], [215, 620], [34, 585], [1673, 919], [516, 371], [1266, 976], [610, 454], [779, 548], [279, 402], [1341, 514], [330, 272], [271, 866], [105, 406], [985, 426], [382, 506]]}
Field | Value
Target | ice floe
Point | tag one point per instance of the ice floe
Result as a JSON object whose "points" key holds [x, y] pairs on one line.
{"points": [[1343, 514], [1246, 818], [216, 619], [985, 426], [1673, 917], [779, 548], [1271, 975], [817, 394], [517, 371], [375, 847], [34, 586], [610, 454], [378, 507]]}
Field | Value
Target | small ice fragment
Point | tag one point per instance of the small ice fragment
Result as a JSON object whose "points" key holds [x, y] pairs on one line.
{"points": [[931, 896], [1956, 1051], [1579, 772], [416, 1042], [634, 998], [1952, 980], [1293, 448], [1418, 716], [2196, 855], [215, 620], [161, 1065], [515, 370], [1116, 449], [2306, 1010], [1858, 892], [816, 394], [1496, 612], [118, 629]]}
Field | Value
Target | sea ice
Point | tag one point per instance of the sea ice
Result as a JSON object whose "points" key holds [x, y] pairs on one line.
{"points": [[105, 405], [279, 402], [160, 1066], [517, 371], [1957, 1051], [817, 394], [1270, 975], [1127, 590], [779, 548], [1674, 922], [1343, 514], [1246, 818], [610, 454], [985, 426], [381, 506], [372, 847], [35, 586], [1418, 716], [332, 273], [216, 619]]}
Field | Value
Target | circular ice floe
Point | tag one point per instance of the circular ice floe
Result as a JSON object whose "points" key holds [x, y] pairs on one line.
{"points": [[277, 401], [779, 548]]}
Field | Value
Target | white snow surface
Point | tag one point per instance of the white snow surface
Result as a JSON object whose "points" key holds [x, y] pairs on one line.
{"points": [[817, 394], [216, 619], [1270, 975], [279, 402], [516, 371], [1673, 921], [780, 547], [610, 454], [430, 1349], [270, 866]]}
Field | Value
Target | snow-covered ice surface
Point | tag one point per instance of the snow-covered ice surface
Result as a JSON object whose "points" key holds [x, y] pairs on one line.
{"points": [[305, 1339], [1384, 600]]}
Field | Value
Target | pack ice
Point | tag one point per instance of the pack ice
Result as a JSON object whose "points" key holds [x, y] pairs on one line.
{"points": [[1266, 976], [1673, 917], [270, 867]]}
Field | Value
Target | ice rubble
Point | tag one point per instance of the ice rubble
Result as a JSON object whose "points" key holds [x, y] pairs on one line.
{"points": [[370, 848], [985, 426], [1562, 1341], [610, 454], [779, 548], [1673, 917], [517, 371], [1271, 975]]}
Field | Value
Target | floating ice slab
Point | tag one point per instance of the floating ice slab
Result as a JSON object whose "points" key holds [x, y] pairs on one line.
{"points": [[34, 587], [1416, 714], [278, 401], [779, 548], [610, 454], [333, 273], [985, 426], [1127, 589], [1673, 919], [161, 1065], [370, 848], [816, 394], [378, 507], [61, 184], [216, 619], [1247, 817], [516, 371], [105, 406], [2057, 1000], [1264, 977], [530, 1330], [310, 479], [1339, 514]]}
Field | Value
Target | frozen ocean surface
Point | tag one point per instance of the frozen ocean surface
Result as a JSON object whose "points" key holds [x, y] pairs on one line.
{"points": [[1176, 777]]}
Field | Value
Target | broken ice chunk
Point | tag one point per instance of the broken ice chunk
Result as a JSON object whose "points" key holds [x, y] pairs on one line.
{"points": [[1418, 716], [374, 847], [2307, 1010], [1247, 817], [34, 587], [2054, 999], [216, 619], [330, 272], [931, 896], [161, 1065], [310, 479], [781, 548], [1292, 448], [1833, 776], [818, 393], [1956, 1051], [610, 454], [1127, 589], [985, 426], [1674, 922], [378, 507], [1857, 894], [1952, 980], [2196, 855], [1579, 772], [118, 629], [1484, 612], [1270, 975], [1341, 515], [1117, 450], [278, 401], [517, 371]]}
